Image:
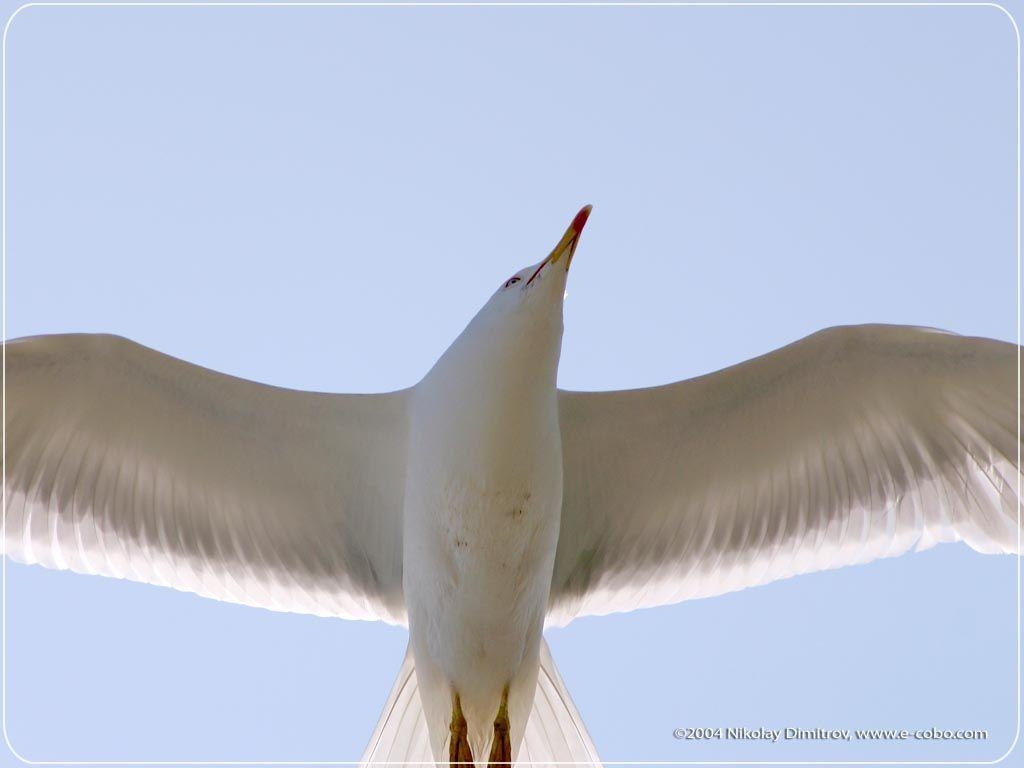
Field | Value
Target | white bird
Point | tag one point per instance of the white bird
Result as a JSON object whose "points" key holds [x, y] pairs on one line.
{"points": [[484, 503]]}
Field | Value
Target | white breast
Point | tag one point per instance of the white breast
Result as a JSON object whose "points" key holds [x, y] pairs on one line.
{"points": [[482, 512]]}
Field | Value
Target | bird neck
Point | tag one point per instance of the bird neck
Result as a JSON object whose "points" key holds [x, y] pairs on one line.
{"points": [[492, 394]]}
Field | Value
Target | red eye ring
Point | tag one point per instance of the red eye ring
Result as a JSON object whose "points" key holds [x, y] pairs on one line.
{"points": [[512, 281]]}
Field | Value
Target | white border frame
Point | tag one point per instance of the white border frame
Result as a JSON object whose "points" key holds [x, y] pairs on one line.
{"points": [[448, 3]]}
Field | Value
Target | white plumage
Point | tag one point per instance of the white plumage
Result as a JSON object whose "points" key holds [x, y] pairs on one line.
{"points": [[853, 444], [484, 503], [125, 462]]}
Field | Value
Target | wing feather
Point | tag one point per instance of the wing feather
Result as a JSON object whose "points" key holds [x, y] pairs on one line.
{"points": [[125, 462], [853, 444]]}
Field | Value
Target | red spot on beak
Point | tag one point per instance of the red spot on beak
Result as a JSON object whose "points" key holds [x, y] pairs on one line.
{"points": [[581, 219], [577, 226], [568, 242]]}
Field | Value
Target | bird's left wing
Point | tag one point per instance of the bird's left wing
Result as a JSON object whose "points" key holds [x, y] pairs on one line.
{"points": [[852, 444], [125, 462]]}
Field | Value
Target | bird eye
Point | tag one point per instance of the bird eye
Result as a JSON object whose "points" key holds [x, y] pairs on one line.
{"points": [[512, 281]]}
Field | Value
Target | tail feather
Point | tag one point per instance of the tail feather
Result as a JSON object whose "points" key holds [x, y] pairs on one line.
{"points": [[554, 731], [401, 732]]}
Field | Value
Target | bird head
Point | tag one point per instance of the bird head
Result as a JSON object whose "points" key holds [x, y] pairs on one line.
{"points": [[517, 334], [543, 282], [526, 309]]}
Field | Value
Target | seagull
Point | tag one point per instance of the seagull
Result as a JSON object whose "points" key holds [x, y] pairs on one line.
{"points": [[484, 504]]}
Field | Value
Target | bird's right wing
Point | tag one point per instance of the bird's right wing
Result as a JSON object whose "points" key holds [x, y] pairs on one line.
{"points": [[852, 444], [124, 462]]}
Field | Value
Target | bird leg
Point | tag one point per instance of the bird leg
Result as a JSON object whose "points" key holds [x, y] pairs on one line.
{"points": [[459, 752], [501, 746]]}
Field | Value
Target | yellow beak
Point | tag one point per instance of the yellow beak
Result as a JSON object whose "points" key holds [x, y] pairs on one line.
{"points": [[570, 238], [567, 243]]}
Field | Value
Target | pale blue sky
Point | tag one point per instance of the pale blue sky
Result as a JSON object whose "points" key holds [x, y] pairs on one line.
{"points": [[322, 197]]}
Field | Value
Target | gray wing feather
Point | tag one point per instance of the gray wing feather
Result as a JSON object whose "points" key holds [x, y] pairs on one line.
{"points": [[852, 444], [125, 462]]}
